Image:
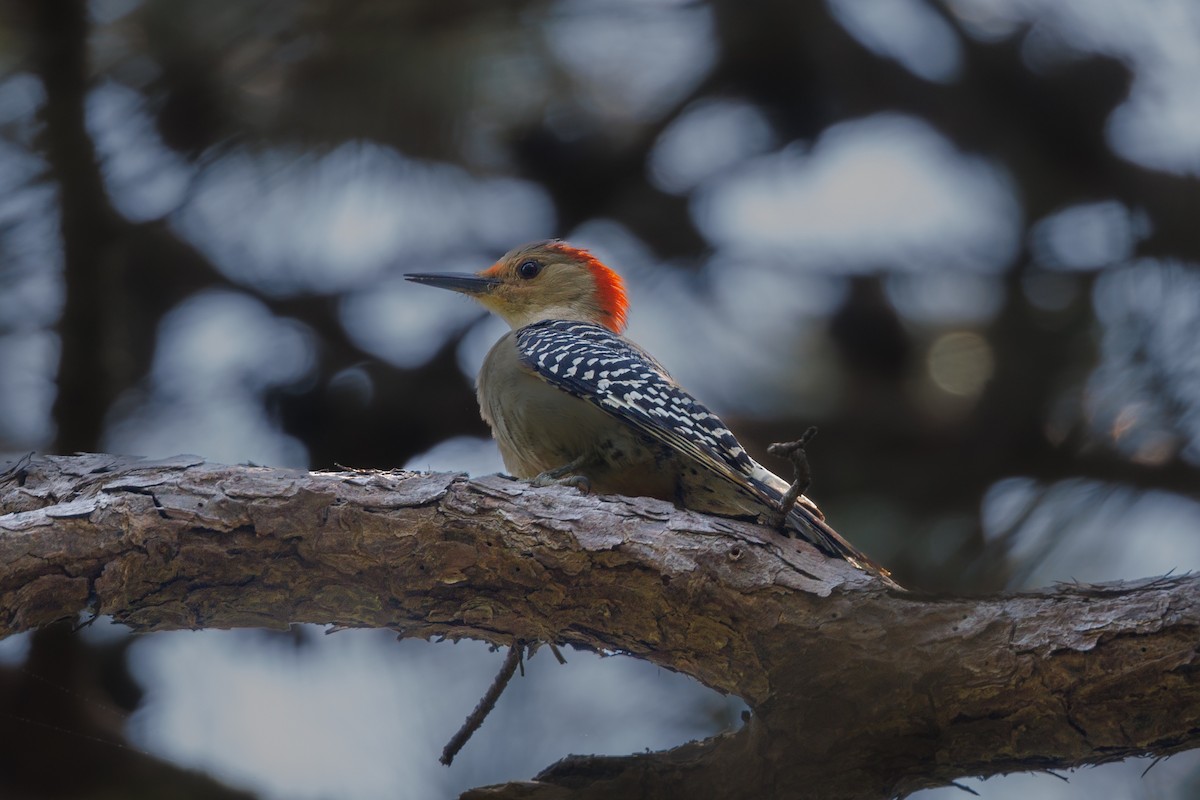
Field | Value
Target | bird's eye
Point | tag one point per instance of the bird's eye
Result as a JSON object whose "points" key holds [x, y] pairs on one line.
{"points": [[529, 269]]}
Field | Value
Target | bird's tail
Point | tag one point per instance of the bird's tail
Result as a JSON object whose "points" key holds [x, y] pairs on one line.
{"points": [[808, 526]]}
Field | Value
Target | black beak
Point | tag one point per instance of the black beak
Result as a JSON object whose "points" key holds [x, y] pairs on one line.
{"points": [[463, 282]]}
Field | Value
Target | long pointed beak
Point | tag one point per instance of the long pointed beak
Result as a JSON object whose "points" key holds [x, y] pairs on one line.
{"points": [[463, 282]]}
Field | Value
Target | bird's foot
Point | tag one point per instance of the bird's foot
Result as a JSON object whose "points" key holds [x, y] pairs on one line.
{"points": [[565, 475], [580, 482]]}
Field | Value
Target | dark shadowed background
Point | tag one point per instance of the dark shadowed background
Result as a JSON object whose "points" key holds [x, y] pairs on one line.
{"points": [[960, 236]]}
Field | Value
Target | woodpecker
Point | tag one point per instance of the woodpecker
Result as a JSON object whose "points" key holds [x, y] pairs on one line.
{"points": [[570, 400]]}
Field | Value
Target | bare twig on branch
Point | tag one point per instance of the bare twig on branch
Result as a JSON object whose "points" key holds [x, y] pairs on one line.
{"points": [[856, 691], [486, 703], [801, 473]]}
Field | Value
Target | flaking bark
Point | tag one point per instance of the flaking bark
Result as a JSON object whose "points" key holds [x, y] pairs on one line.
{"points": [[857, 691]]}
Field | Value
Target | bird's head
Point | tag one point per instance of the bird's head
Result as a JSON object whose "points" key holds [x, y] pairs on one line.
{"points": [[540, 281]]}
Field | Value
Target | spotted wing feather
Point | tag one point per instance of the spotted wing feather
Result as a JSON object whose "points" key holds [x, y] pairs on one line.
{"points": [[591, 362]]}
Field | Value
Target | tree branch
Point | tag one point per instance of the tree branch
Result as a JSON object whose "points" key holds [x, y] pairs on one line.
{"points": [[856, 690]]}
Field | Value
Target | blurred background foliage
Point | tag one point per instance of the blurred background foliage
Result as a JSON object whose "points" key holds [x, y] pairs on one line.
{"points": [[960, 236]]}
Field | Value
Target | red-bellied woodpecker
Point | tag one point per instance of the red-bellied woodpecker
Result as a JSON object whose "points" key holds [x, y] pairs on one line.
{"points": [[570, 400]]}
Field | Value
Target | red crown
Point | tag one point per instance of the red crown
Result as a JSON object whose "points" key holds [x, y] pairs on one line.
{"points": [[610, 289]]}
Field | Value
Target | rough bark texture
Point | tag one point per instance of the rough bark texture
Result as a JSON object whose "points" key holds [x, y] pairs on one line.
{"points": [[857, 691]]}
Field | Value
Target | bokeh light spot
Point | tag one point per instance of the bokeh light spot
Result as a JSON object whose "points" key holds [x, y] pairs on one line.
{"points": [[960, 363]]}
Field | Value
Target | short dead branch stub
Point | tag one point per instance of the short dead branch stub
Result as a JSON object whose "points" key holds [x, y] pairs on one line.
{"points": [[801, 473]]}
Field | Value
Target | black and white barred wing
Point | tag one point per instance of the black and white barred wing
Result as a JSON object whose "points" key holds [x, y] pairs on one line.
{"points": [[592, 362]]}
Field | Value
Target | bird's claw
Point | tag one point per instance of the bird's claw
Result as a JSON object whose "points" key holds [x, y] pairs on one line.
{"points": [[550, 478], [580, 482]]}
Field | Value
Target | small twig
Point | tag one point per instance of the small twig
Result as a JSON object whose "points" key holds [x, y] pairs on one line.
{"points": [[533, 648], [87, 623], [514, 659], [344, 468], [966, 789], [802, 475]]}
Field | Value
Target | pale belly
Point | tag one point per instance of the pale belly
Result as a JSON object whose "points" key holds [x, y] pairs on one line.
{"points": [[540, 428]]}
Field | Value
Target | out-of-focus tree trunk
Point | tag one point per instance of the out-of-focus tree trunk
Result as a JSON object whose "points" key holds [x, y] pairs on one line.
{"points": [[88, 380]]}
